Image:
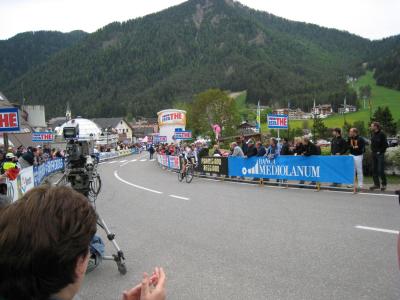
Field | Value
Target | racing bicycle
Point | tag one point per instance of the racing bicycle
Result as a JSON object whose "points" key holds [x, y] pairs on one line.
{"points": [[189, 172]]}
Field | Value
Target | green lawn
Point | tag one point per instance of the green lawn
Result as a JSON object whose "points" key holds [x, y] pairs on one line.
{"points": [[381, 96]]}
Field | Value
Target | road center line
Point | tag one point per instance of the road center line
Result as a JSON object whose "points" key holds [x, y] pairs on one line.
{"points": [[135, 185], [179, 197], [377, 229]]}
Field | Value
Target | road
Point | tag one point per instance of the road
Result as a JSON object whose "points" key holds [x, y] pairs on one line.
{"points": [[221, 240]]}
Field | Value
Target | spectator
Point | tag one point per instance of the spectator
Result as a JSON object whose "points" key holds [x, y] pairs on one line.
{"points": [[309, 148], [8, 164], [203, 151], [285, 149], [20, 151], [378, 147], [45, 255], [236, 151], [151, 151], [251, 149], [29, 158], [260, 149], [217, 151], [243, 144], [338, 144], [273, 150], [356, 146], [298, 147]]}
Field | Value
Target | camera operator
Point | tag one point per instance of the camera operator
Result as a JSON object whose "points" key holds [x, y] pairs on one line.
{"points": [[44, 248]]}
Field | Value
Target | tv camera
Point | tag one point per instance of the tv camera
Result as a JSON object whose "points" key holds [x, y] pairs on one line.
{"points": [[81, 173]]}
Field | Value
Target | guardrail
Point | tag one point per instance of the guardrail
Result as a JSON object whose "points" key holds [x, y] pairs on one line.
{"points": [[290, 170]]}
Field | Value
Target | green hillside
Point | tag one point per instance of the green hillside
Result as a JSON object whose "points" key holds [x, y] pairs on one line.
{"points": [[141, 66], [381, 96], [26, 50]]}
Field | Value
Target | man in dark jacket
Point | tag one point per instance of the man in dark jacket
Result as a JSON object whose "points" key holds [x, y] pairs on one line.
{"points": [[251, 150], [260, 149], [378, 147], [285, 150], [309, 147], [338, 144]]}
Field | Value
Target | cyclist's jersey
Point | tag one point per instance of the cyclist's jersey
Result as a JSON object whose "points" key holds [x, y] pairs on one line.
{"points": [[188, 155]]}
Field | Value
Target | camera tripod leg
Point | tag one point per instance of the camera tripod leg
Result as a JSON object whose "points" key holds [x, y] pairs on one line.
{"points": [[119, 258]]}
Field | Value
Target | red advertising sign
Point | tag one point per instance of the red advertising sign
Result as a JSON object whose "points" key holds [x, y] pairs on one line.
{"points": [[9, 120]]}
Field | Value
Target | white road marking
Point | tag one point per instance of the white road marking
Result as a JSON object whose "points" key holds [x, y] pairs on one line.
{"points": [[143, 160], [135, 185], [113, 162], [377, 229], [133, 160], [179, 197], [122, 161], [152, 160]]}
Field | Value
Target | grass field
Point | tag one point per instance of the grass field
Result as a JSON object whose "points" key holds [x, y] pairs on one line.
{"points": [[381, 96]]}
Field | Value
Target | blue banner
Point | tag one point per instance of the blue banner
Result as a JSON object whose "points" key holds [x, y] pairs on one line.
{"points": [[49, 167], [328, 169]]}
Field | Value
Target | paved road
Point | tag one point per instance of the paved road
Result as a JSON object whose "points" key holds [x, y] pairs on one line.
{"points": [[220, 240]]}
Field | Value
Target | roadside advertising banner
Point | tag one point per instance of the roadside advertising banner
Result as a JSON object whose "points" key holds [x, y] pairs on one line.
{"points": [[278, 121], [215, 165], [330, 169], [9, 120]]}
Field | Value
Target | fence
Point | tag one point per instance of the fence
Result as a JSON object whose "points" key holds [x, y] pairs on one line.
{"points": [[318, 169], [30, 177]]}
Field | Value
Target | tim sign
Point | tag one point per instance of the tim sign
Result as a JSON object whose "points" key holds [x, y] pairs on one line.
{"points": [[183, 135], [278, 121], [42, 137], [9, 120]]}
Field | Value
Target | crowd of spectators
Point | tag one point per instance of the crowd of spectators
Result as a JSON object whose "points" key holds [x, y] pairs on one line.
{"points": [[355, 146], [22, 157]]}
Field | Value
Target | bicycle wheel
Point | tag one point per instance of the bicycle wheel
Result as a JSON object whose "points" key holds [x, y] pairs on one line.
{"points": [[189, 174], [180, 175]]}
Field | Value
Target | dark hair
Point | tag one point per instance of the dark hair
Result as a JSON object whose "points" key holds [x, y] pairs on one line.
{"points": [[338, 130], [377, 124], [42, 235]]}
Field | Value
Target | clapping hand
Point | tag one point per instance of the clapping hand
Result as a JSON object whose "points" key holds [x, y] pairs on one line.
{"points": [[152, 288]]}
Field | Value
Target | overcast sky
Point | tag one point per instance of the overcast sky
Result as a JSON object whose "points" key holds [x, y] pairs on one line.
{"points": [[372, 19]]}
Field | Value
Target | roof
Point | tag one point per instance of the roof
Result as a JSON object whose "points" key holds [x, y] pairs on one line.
{"points": [[24, 139], [4, 101], [56, 122], [104, 123]]}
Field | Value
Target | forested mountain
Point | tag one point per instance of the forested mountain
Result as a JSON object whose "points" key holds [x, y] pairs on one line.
{"points": [[146, 64], [27, 50], [386, 62]]}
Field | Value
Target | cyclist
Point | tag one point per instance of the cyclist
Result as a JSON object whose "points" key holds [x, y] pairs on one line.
{"points": [[188, 155]]}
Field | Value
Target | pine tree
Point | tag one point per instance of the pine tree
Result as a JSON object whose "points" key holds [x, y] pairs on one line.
{"points": [[385, 118]]}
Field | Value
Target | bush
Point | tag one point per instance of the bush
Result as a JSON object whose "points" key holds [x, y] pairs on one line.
{"points": [[392, 158]]}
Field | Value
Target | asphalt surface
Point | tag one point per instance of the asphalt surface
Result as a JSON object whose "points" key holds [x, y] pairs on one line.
{"points": [[220, 240]]}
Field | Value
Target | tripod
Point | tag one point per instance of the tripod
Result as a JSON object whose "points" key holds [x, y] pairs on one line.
{"points": [[90, 187]]}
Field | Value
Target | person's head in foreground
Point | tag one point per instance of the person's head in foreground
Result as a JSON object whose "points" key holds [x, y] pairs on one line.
{"points": [[44, 248], [44, 244]]}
